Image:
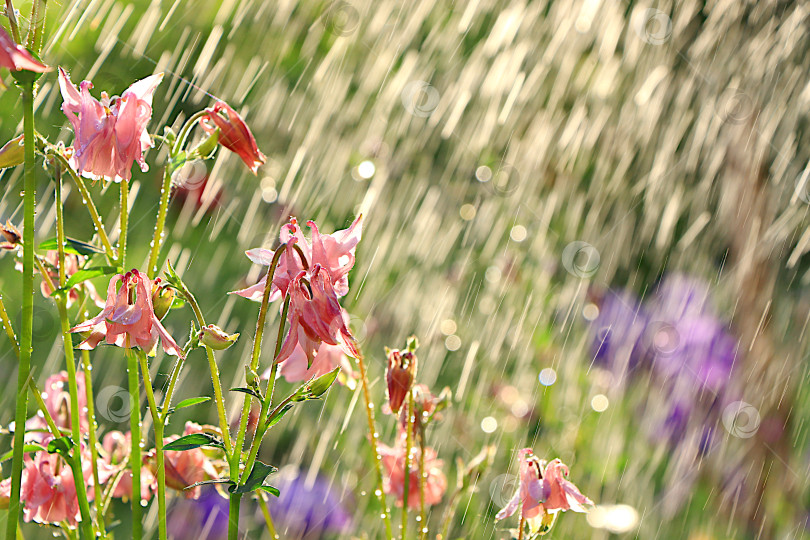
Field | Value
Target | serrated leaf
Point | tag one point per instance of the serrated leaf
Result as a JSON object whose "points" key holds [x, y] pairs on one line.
{"points": [[26, 449], [191, 401], [273, 420], [255, 479], [60, 446], [72, 245], [246, 390], [88, 273], [190, 442]]}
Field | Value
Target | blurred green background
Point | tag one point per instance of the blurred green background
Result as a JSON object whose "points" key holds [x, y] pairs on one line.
{"points": [[479, 140]]}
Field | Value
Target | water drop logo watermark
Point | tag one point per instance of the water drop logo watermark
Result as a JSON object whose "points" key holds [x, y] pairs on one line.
{"points": [[502, 489], [652, 26], [44, 324], [341, 18], [741, 419], [191, 175], [114, 403], [580, 259], [503, 182], [803, 186], [420, 98], [663, 338], [735, 106], [359, 329]]}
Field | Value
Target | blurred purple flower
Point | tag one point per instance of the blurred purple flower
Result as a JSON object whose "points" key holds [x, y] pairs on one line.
{"points": [[205, 518], [308, 508], [618, 330]]}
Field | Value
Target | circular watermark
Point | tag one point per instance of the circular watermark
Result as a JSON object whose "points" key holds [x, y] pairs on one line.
{"points": [[735, 106], [191, 175], [503, 488], [114, 403], [420, 98], [43, 324], [503, 181], [741, 419], [803, 186], [580, 259], [652, 25], [341, 18], [663, 338], [359, 328]]}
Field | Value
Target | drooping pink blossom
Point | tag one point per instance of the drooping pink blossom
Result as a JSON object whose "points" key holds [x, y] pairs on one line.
{"points": [[185, 468], [233, 134], [128, 318], [393, 460], [56, 395], [327, 358], [15, 57], [48, 490], [109, 134], [543, 489], [115, 464], [71, 267], [332, 252]]}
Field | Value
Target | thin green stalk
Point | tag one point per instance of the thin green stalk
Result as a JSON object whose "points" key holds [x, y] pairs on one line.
{"points": [[12, 21], [122, 236], [521, 524], [165, 192], [268, 519], [422, 479], [157, 423], [39, 9], [70, 361], [375, 442], [135, 452], [30, 185], [91, 207], [409, 411], [8, 328], [92, 439]]}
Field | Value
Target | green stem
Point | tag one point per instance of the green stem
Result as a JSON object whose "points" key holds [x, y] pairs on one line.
{"points": [[409, 411], [38, 13], [122, 236], [12, 21], [30, 185], [268, 519], [212, 365], [157, 422], [91, 207], [135, 452], [233, 516], [375, 441], [8, 328], [422, 513], [92, 439]]}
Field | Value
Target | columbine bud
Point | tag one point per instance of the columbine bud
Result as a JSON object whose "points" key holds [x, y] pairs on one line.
{"points": [[214, 337], [12, 236], [400, 374], [162, 298]]}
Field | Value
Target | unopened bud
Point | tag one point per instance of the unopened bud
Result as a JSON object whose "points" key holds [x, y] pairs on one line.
{"points": [[162, 298], [216, 338], [400, 375], [11, 235]]}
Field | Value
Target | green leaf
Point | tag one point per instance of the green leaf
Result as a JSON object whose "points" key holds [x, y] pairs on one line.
{"points": [[320, 385], [195, 440], [273, 420], [61, 446], [191, 401], [77, 247], [88, 273], [12, 153], [271, 490], [27, 448], [247, 390], [177, 303], [209, 482], [255, 479]]}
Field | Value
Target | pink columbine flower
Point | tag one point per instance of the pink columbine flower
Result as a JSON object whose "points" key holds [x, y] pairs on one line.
{"points": [[543, 489], [56, 396], [233, 134], [327, 358], [16, 58], [114, 464], [48, 489], [128, 318], [111, 133], [185, 468], [393, 459], [71, 267], [333, 252]]}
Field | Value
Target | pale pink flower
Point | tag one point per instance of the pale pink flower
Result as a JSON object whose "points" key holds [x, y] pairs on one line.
{"points": [[327, 358], [117, 447], [333, 252], [187, 467], [48, 489], [15, 57], [128, 318], [233, 134], [71, 267], [109, 134], [393, 460], [56, 395], [542, 490]]}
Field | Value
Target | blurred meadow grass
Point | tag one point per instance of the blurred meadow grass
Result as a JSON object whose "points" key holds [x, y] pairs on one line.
{"points": [[669, 137]]}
